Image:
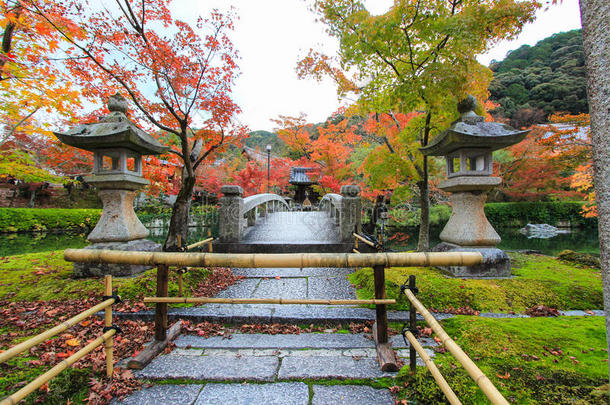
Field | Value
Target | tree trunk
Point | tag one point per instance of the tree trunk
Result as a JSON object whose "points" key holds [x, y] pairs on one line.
{"points": [[423, 242], [180, 214], [596, 44]]}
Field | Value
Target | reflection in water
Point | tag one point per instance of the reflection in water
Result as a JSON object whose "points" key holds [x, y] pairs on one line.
{"points": [[580, 240], [15, 244]]}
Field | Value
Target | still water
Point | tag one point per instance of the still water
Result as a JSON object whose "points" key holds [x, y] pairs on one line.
{"points": [[585, 240]]}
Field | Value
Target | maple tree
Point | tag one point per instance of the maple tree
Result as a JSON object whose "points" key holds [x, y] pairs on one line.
{"points": [[178, 80], [32, 84], [327, 149], [419, 56]]}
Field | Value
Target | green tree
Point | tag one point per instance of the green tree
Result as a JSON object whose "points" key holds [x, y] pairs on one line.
{"points": [[420, 56]]}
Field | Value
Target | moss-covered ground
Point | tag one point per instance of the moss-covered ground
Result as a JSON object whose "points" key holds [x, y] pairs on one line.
{"points": [[532, 361], [46, 276], [538, 280]]}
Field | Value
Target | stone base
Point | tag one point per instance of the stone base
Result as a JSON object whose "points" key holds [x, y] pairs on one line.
{"points": [[496, 263], [116, 270]]}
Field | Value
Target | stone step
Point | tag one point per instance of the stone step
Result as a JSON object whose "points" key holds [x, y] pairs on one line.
{"points": [[283, 393], [271, 313], [290, 341]]}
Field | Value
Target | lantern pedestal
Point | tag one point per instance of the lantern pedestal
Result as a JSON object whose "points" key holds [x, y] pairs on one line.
{"points": [[496, 263], [117, 270]]}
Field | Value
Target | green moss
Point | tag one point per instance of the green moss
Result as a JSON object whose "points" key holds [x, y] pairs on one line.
{"points": [[71, 383], [46, 276], [505, 348], [538, 280]]}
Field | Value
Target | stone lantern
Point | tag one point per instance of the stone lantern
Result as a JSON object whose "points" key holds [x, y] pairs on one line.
{"points": [[118, 146], [467, 147]]}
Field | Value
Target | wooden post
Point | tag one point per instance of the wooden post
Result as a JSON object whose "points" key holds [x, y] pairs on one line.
{"points": [[412, 327], [381, 312], [161, 308], [179, 271], [108, 323], [210, 249]]}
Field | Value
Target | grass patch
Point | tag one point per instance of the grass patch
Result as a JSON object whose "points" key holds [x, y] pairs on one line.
{"points": [[46, 276], [517, 355], [538, 280]]}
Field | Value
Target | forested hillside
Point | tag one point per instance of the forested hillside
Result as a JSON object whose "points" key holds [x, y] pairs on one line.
{"points": [[535, 81]]}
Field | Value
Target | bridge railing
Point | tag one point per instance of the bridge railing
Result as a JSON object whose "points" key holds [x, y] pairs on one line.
{"points": [[346, 209], [236, 213]]}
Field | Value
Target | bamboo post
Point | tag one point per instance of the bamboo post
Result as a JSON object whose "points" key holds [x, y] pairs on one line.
{"points": [[180, 271], [61, 366], [161, 307], [380, 309], [210, 248], [412, 326], [26, 345], [440, 380], [108, 323], [475, 373]]}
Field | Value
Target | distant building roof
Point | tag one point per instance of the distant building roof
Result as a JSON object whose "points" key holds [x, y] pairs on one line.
{"points": [[299, 176]]}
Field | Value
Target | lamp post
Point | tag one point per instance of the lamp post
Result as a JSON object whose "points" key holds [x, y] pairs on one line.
{"points": [[268, 164]]}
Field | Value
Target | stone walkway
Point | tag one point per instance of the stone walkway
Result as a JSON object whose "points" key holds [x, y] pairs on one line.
{"points": [[274, 369]]}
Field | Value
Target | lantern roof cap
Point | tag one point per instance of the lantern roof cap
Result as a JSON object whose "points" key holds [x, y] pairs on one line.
{"points": [[114, 130], [471, 131]]}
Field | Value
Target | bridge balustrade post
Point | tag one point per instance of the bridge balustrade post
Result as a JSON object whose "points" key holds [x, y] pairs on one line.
{"points": [[351, 212], [230, 221]]}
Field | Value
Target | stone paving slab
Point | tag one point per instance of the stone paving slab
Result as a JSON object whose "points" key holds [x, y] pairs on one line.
{"points": [[254, 394], [293, 272], [350, 395], [241, 289], [262, 341], [337, 288], [329, 367], [162, 394], [217, 368], [294, 288]]}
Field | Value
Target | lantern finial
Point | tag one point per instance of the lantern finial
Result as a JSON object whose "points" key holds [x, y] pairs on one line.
{"points": [[117, 103]]}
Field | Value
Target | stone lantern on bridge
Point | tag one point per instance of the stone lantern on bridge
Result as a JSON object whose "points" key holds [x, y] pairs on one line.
{"points": [[118, 146], [467, 147]]}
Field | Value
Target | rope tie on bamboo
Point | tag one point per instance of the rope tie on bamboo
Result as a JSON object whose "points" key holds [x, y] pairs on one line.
{"points": [[406, 329], [115, 296], [117, 329]]}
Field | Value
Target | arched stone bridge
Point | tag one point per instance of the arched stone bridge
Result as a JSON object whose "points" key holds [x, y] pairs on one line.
{"points": [[264, 223]]}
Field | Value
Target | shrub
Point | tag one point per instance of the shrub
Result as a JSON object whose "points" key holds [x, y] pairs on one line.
{"points": [[45, 219]]}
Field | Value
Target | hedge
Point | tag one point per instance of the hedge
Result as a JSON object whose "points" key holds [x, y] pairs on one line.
{"points": [[513, 214], [45, 219]]}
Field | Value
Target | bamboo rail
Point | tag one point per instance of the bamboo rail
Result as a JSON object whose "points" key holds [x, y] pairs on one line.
{"points": [[58, 368], [258, 260], [442, 383], [204, 300], [23, 346], [368, 242], [475, 373], [195, 245]]}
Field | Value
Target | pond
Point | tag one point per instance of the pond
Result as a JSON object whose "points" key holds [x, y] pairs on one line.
{"points": [[579, 240], [585, 240]]}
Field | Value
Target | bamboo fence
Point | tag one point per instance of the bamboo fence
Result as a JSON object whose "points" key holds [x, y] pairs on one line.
{"points": [[490, 391], [106, 339]]}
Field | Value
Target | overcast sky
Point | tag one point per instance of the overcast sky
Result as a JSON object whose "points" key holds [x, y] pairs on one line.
{"points": [[272, 35]]}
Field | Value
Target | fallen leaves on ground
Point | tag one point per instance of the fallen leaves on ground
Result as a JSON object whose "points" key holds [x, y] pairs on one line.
{"points": [[541, 310], [220, 278]]}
